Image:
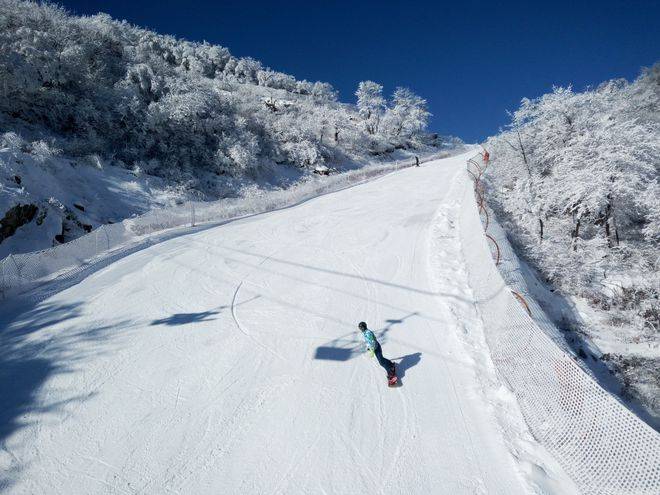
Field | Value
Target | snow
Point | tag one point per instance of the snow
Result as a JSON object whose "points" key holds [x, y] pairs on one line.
{"points": [[108, 194], [229, 361], [574, 181], [539, 467]]}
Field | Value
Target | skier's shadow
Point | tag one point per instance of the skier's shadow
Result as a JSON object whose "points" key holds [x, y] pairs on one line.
{"points": [[404, 363]]}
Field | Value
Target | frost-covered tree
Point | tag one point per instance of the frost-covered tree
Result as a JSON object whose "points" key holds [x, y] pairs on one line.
{"points": [[406, 116], [95, 86], [370, 104], [575, 180]]}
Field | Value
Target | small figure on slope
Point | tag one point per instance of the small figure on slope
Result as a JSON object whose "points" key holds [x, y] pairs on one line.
{"points": [[374, 349]]}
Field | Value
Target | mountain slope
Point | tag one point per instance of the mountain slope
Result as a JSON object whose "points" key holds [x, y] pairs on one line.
{"points": [[575, 181], [92, 106], [229, 360]]}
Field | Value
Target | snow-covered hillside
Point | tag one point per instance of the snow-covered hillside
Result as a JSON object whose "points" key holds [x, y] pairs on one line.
{"points": [[69, 198], [51, 200], [94, 85], [575, 183], [117, 119], [228, 361]]}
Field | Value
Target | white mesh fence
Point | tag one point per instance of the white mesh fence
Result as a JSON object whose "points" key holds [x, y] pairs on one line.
{"points": [[22, 272], [604, 447]]}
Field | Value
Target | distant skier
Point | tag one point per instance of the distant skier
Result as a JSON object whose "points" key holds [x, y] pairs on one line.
{"points": [[416, 161], [374, 348]]}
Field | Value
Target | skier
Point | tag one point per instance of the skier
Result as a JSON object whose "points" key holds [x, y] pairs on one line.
{"points": [[416, 161], [374, 348]]}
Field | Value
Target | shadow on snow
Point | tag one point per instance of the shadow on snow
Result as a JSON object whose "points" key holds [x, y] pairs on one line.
{"points": [[404, 363], [31, 353], [185, 318]]}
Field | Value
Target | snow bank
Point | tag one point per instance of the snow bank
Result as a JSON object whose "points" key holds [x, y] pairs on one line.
{"points": [[104, 194], [603, 446]]}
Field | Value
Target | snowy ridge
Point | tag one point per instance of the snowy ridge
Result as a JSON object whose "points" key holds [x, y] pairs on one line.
{"points": [[603, 446], [540, 469]]}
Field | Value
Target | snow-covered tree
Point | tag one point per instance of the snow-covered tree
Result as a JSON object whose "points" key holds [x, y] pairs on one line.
{"points": [[370, 104], [95, 86], [575, 180], [406, 116]]}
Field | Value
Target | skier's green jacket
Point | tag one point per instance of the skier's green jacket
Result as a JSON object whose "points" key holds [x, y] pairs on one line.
{"points": [[370, 339]]}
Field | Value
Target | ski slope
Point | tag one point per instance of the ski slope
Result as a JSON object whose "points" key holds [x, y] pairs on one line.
{"points": [[229, 361]]}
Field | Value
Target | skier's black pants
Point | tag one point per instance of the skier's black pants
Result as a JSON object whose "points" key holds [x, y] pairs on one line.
{"points": [[384, 362]]}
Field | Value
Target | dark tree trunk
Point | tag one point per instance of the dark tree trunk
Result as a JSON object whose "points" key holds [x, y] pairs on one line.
{"points": [[532, 189], [616, 231], [611, 222], [575, 234], [608, 222]]}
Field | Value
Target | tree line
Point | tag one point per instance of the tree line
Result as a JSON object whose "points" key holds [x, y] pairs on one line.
{"points": [[94, 86]]}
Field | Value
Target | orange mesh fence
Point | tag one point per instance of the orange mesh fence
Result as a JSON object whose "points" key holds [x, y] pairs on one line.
{"points": [[599, 442]]}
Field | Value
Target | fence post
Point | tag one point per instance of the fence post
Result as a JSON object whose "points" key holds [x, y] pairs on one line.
{"points": [[3, 288], [19, 277], [107, 237]]}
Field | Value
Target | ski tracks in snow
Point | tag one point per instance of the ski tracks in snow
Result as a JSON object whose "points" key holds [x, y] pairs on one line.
{"points": [[215, 382]]}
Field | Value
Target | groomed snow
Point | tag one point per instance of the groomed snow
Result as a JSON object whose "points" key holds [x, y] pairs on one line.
{"points": [[228, 361]]}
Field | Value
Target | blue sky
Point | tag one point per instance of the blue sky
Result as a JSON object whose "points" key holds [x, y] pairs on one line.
{"points": [[472, 61]]}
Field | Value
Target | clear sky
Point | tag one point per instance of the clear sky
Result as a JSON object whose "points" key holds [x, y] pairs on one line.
{"points": [[472, 61]]}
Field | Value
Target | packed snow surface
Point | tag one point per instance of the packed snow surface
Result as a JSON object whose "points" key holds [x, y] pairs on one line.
{"points": [[229, 361]]}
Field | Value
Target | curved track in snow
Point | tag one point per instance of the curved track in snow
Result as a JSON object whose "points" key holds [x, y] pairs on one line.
{"points": [[228, 361]]}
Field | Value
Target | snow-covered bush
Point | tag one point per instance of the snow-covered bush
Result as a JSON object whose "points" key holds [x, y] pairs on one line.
{"points": [[107, 88], [42, 151], [575, 180], [12, 141], [95, 161]]}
